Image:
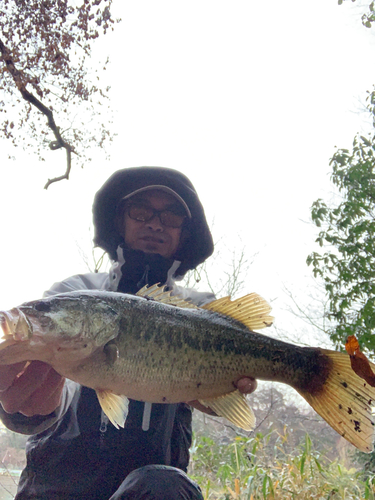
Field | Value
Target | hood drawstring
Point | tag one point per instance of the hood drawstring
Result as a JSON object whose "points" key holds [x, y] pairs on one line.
{"points": [[171, 273], [115, 273], [146, 416], [117, 283], [144, 280]]}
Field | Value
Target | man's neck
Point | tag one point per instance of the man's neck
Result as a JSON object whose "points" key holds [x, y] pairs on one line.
{"points": [[140, 269]]}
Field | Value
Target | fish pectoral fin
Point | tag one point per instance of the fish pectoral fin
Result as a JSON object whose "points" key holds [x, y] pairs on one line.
{"points": [[111, 352], [114, 406], [233, 407], [251, 310]]}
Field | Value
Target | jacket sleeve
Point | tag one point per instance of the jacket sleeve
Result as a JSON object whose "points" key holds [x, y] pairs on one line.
{"points": [[89, 281], [17, 422]]}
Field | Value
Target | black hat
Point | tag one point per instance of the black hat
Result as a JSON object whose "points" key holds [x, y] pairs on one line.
{"points": [[197, 247]]}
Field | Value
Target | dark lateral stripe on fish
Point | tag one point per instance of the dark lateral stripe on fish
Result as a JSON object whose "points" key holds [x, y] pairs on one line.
{"points": [[123, 345], [317, 370], [308, 367]]}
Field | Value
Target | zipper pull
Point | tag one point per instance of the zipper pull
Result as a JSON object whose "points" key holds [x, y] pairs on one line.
{"points": [[103, 429], [103, 423]]}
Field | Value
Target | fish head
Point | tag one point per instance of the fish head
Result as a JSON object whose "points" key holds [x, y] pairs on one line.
{"points": [[71, 322], [15, 324]]}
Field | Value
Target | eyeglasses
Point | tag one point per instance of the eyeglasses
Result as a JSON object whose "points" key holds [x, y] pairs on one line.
{"points": [[143, 213]]}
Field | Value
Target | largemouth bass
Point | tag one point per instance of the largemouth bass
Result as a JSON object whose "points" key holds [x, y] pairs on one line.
{"points": [[165, 350]]}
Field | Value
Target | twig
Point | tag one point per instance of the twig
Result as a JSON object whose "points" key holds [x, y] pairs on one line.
{"points": [[12, 478], [272, 404], [29, 97]]}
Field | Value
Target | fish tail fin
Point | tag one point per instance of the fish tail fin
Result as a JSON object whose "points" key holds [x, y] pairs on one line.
{"points": [[345, 401]]}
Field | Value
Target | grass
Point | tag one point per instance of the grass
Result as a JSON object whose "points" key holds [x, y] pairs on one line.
{"points": [[251, 469], [263, 467]]}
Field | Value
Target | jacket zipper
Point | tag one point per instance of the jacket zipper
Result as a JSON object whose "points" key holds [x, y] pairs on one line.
{"points": [[103, 427]]}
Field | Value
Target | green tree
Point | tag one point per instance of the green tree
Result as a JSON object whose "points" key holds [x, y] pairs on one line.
{"points": [[44, 49], [347, 234], [367, 17]]}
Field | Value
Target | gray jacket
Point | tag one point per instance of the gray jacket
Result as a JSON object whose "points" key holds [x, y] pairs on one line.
{"points": [[74, 452]]}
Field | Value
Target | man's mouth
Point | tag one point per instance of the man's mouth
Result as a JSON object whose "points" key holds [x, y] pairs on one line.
{"points": [[152, 239]]}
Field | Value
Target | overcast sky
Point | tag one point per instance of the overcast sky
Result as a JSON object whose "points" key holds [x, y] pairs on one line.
{"points": [[248, 99]]}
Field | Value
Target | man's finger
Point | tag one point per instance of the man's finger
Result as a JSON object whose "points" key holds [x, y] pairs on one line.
{"points": [[8, 373], [247, 385], [24, 386], [46, 398]]}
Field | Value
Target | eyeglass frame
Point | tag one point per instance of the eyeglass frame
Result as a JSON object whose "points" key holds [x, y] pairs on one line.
{"points": [[155, 212]]}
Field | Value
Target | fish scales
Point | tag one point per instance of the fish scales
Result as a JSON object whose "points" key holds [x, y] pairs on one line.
{"points": [[126, 346], [173, 354]]}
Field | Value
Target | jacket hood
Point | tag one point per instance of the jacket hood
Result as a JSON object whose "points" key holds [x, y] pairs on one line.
{"points": [[198, 245]]}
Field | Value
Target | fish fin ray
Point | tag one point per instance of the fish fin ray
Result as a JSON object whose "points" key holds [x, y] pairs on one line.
{"points": [[159, 294], [234, 407], [114, 406], [346, 402], [250, 310]]}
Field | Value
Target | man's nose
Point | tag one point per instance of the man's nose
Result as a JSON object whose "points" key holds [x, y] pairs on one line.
{"points": [[155, 223]]}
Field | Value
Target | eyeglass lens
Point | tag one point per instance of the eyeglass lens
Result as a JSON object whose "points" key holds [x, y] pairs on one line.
{"points": [[144, 214]]}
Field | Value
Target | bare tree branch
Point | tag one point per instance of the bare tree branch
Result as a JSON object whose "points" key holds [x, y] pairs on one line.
{"points": [[29, 97], [38, 70]]}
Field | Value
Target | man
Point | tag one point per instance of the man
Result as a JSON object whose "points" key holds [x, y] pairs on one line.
{"points": [[152, 224]]}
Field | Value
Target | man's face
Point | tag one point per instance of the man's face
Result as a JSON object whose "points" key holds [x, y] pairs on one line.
{"points": [[152, 236]]}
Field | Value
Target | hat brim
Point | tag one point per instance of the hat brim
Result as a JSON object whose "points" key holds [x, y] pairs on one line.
{"points": [[160, 187]]}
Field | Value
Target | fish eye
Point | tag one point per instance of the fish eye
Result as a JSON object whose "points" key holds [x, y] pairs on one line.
{"points": [[42, 307]]}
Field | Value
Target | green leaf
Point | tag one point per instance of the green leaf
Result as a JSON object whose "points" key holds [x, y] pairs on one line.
{"points": [[347, 267], [264, 486]]}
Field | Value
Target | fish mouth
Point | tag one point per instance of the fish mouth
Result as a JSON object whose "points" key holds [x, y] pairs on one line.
{"points": [[4, 325], [16, 325]]}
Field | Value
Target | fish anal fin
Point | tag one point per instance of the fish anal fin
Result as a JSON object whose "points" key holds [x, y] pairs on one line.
{"points": [[159, 294], [114, 406], [251, 310], [233, 407], [345, 401]]}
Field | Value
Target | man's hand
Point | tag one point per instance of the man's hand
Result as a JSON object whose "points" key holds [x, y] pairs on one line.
{"points": [[246, 385], [30, 388]]}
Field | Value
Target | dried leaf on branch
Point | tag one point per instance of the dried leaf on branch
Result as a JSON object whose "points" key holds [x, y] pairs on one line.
{"points": [[49, 87], [359, 362]]}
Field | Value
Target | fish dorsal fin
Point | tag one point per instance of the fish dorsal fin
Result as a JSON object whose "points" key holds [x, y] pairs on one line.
{"points": [[251, 310], [159, 294], [233, 407], [114, 406]]}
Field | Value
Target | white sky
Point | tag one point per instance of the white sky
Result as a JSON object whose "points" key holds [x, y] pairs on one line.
{"points": [[248, 99]]}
